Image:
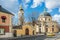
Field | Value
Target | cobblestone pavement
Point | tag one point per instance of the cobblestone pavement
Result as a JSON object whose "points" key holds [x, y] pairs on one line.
{"points": [[52, 39], [39, 37]]}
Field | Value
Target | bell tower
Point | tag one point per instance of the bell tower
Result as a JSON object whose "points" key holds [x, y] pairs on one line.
{"points": [[21, 16]]}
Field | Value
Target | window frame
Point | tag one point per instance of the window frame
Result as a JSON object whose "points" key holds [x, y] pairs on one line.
{"points": [[46, 29], [52, 25], [52, 29], [39, 30], [3, 19], [2, 30]]}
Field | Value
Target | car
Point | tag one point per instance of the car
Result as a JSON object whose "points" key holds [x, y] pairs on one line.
{"points": [[50, 34]]}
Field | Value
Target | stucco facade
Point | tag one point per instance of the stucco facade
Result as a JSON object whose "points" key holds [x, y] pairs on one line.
{"points": [[45, 24], [23, 31], [5, 23], [8, 20]]}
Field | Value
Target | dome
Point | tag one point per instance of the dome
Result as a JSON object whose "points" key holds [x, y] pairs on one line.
{"points": [[45, 14]]}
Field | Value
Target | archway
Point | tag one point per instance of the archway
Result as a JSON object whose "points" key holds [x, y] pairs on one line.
{"points": [[26, 31], [33, 32], [14, 33]]}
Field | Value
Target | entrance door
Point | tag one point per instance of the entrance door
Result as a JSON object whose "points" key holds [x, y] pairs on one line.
{"points": [[27, 31], [14, 33]]}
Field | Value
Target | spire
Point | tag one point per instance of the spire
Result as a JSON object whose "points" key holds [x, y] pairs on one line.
{"points": [[21, 15], [0, 6], [21, 7], [45, 9]]}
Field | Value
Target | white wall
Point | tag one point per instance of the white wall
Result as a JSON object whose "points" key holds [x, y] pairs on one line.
{"points": [[6, 35]]}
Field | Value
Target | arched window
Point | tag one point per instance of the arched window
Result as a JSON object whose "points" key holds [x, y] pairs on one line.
{"points": [[52, 29], [26, 31], [49, 19], [3, 18], [46, 29]]}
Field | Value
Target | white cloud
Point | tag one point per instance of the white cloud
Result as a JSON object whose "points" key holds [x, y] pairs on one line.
{"points": [[56, 17], [51, 4], [13, 0], [59, 9], [25, 3], [12, 6], [8, 3], [49, 10], [36, 3]]}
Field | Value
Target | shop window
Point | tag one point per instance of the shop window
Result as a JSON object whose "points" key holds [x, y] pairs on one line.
{"points": [[3, 19], [2, 31]]}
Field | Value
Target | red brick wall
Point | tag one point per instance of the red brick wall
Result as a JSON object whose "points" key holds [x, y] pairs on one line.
{"points": [[6, 28]]}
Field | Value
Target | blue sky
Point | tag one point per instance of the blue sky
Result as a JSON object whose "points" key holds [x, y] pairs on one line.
{"points": [[29, 6]]}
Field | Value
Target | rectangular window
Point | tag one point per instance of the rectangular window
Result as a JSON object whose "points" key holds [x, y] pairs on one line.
{"points": [[3, 18], [46, 29], [2, 31], [46, 25], [52, 25], [45, 19], [39, 30], [49, 19], [40, 25], [52, 29]]}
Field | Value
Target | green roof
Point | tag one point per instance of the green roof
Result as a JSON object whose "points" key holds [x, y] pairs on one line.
{"points": [[4, 10], [45, 13]]}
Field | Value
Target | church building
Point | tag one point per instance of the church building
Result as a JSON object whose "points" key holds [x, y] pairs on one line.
{"points": [[22, 28], [45, 24]]}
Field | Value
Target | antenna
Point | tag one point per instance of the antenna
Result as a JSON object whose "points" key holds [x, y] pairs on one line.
{"points": [[45, 9]]}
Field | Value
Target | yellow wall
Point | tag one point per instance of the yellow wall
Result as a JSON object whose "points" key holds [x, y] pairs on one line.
{"points": [[55, 27], [22, 31]]}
